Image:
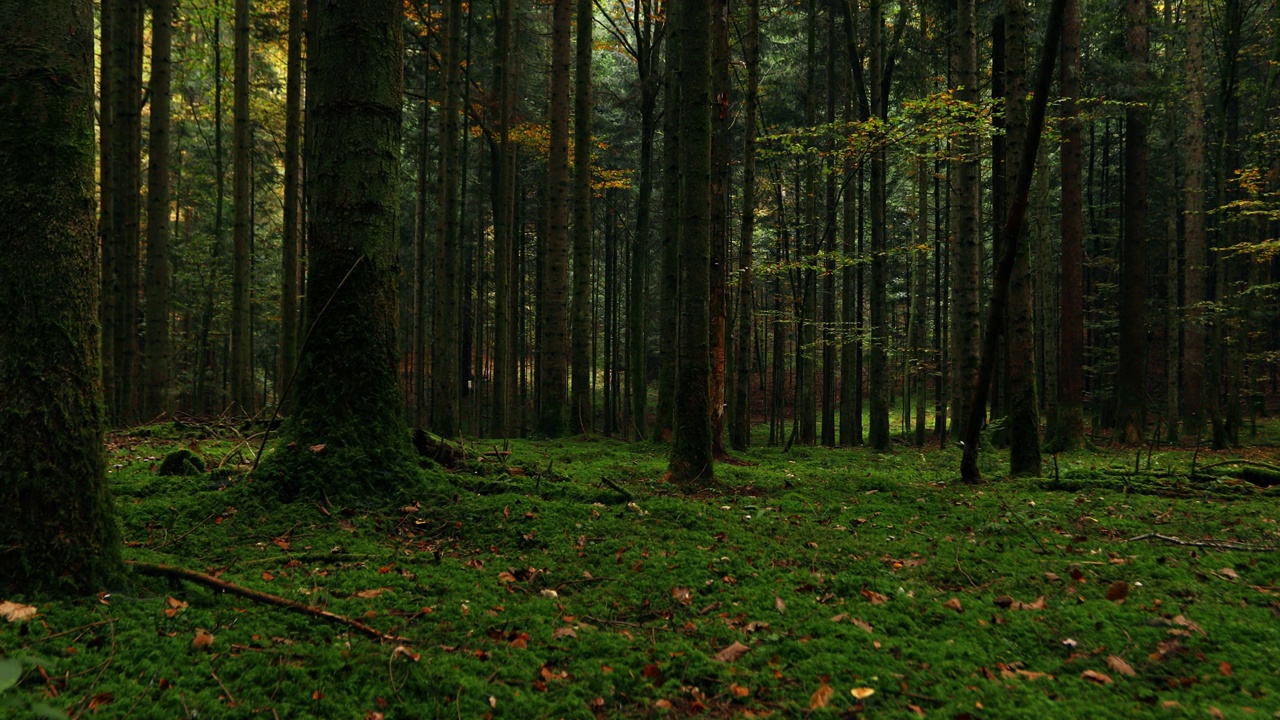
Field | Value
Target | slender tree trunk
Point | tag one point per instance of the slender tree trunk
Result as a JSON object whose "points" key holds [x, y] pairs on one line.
{"points": [[1069, 408], [920, 297], [719, 192], [806, 418], [504, 231], [1023, 410], [126, 136], [1131, 373], [291, 240], [159, 273], [109, 86], [638, 290], [740, 421], [447, 318], [583, 370], [830, 370], [1193, 353], [59, 534], [690, 460], [552, 381], [242, 396], [669, 281], [966, 247], [878, 365]]}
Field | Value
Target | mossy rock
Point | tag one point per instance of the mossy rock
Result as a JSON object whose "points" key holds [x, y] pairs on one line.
{"points": [[182, 462]]}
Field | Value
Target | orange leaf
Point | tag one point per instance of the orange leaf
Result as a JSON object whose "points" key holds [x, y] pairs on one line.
{"points": [[862, 693], [821, 697], [1225, 668], [266, 575], [732, 652], [99, 700], [1119, 665], [1095, 676], [682, 595], [874, 597], [203, 640], [739, 691], [1119, 590], [372, 593], [564, 632], [953, 604]]}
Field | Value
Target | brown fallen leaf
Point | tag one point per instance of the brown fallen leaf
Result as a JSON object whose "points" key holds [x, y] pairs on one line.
{"points": [[1095, 676], [731, 653], [1188, 624], [780, 605], [663, 703], [1118, 664], [1118, 591], [1215, 713], [1224, 667], [682, 595], [371, 593], [821, 697], [563, 632], [916, 709], [1003, 601], [739, 690], [100, 700], [953, 604], [862, 624], [203, 640], [874, 597], [16, 612], [1229, 573], [506, 577]]}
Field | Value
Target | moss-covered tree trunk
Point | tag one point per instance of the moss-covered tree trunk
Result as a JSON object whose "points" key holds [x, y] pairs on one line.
{"points": [[347, 418], [58, 531], [690, 459]]}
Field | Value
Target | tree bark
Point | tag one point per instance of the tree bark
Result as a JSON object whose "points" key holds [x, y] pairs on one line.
{"points": [[690, 461], [59, 534], [1131, 373], [1193, 352], [242, 395], [1069, 409], [291, 241], [447, 319], [646, 51], [159, 270], [504, 235], [719, 193], [878, 359], [668, 275], [349, 438], [553, 381], [740, 421], [582, 367], [966, 247]]}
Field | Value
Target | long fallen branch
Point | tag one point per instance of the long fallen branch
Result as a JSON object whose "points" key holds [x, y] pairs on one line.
{"points": [[266, 598], [1247, 463], [1216, 545]]}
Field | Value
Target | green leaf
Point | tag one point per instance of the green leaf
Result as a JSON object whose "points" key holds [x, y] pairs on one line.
{"points": [[10, 673]]}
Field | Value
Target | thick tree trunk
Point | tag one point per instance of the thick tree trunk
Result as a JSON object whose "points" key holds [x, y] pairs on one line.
{"points": [[690, 461], [668, 275], [242, 395], [1131, 373], [447, 319], [291, 242], [159, 273], [740, 421], [554, 363], [582, 370], [719, 192], [126, 136], [58, 534], [349, 438], [830, 370]]}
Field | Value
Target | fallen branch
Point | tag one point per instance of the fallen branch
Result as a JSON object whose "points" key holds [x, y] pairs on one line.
{"points": [[1213, 544], [625, 493], [213, 582], [1250, 463], [439, 449]]}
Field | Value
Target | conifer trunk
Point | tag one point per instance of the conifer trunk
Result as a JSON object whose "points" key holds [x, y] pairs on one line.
{"points": [[159, 273], [242, 395], [291, 241], [582, 367], [554, 361], [1131, 373], [1069, 409]]}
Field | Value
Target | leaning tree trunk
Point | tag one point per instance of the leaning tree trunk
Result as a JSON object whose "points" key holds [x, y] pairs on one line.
{"points": [[58, 534], [349, 438], [159, 274]]}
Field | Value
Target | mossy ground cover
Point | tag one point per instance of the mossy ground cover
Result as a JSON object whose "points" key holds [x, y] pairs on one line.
{"points": [[528, 585]]}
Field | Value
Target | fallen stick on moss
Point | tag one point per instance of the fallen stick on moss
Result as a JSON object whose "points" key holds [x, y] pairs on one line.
{"points": [[1249, 463], [213, 582], [1216, 545]]}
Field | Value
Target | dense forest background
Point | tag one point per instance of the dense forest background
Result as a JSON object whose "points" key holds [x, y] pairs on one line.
{"points": [[863, 164]]}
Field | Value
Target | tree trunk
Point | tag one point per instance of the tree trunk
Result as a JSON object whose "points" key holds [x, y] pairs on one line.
{"points": [[59, 534], [740, 421], [242, 396], [552, 382], [447, 318], [349, 438], [719, 192], [1023, 408], [669, 281], [1069, 408], [1193, 352], [504, 231], [583, 370], [830, 370], [966, 247], [1131, 373], [690, 460], [878, 360], [920, 297], [638, 291], [159, 273], [291, 242], [126, 135]]}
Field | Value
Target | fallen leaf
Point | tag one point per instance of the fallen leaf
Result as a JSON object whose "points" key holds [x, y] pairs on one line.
{"points": [[1215, 712], [682, 595], [1119, 665], [1003, 601], [505, 577], [1229, 573], [564, 632], [732, 652], [1118, 591], [1095, 676], [821, 697], [266, 575], [16, 612], [739, 691], [862, 624], [99, 700], [372, 593], [1170, 704], [838, 618], [1224, 667], [203, 640], [953, 604], [780, 605], [1188, 624], [1051, 577], [874, 597], [916, 709], [664, 704], [317, 449], [651, 671], [862, 693]]}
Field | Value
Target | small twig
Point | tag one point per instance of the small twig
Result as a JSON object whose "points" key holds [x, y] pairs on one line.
{"points": [[93, 685], [218, 680], [267, 598], [1213, 544], [76, 629], [190, 530], [624, 623], [1194, 456], [1017, 517], [623, 491]]}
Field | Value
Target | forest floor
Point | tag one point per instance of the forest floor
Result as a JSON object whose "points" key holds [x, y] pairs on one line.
{"points": [[567, 580]]}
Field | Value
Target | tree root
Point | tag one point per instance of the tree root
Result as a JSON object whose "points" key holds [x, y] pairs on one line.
{"points": [[170, 571]]}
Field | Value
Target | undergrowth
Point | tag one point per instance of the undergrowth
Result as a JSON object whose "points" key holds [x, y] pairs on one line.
{"points": [[567, 580]]}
